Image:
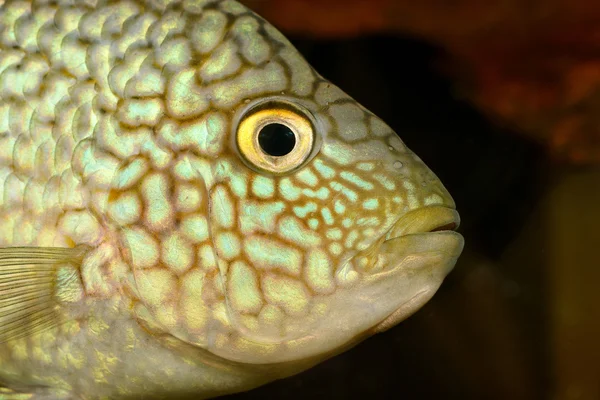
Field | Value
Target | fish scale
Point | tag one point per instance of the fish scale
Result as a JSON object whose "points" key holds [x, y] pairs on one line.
{"points": [[179, 258]]}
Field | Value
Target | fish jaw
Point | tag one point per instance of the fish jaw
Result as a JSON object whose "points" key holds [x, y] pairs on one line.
{"points": [[411, 267], [445, 244], [411, 278], [417, 253]]}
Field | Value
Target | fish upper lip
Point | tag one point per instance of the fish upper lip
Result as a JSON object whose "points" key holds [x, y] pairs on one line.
{"points": [[424, 219]]}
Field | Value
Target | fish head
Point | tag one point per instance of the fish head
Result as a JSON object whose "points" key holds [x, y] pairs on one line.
{"points": [[342, 231], [313, 226]]}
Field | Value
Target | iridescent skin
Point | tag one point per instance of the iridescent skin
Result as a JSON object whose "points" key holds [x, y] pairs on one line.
{"points": [[193, 272]]}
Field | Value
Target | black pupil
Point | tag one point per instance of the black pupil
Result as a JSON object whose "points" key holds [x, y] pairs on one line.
{"points": [[276, 140]]}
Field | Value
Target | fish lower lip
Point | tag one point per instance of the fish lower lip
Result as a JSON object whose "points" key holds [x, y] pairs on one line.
{"points": [[425, 219], [428, 255], [396, 250]]}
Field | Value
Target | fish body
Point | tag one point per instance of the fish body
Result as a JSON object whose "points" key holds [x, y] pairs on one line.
{"points": [[188, 208]]}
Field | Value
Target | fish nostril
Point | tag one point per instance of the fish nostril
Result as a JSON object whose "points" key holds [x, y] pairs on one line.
{"points": [[448, 227]]}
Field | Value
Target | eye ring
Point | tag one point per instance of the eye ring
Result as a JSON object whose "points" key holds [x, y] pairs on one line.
{"points": [[276, 137]]}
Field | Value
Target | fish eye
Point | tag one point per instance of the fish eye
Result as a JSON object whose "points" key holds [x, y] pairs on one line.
{"points": [[275, 137]]}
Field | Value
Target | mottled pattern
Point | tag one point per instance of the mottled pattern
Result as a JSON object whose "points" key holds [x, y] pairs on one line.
{"points": [[117, 127]]}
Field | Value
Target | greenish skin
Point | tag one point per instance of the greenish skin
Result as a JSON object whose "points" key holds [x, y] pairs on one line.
{"points": [[177, 267]]}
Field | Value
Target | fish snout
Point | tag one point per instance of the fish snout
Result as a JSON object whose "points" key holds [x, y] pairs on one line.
{"points": [[420, 238], [423, 220]]}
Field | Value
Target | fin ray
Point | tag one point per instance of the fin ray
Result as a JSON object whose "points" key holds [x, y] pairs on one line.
{"points": [[9, 295], [28, 279], [8, 394], [23, 299], [17, 332]]}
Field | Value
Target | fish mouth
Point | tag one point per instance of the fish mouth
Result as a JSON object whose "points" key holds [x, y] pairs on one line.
{"points": [[419, 235], [423, 242], [426, 219]]}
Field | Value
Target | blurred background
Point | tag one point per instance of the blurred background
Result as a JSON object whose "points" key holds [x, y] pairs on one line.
{"points": [[502, 100]]}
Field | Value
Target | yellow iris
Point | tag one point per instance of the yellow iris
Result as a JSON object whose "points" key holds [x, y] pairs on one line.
{"points": [[276, 137]]}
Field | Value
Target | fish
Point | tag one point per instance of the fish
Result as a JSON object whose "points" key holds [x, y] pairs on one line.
{"points": [[189, 209]]}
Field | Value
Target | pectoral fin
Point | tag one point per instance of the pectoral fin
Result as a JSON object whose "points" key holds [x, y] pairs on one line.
{"points": [[38, 394], [32, 282], [7, 394]]}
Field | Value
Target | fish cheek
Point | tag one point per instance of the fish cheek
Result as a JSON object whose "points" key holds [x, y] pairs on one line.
{"points": [[283, 247], [161, 220], [262, 265]]}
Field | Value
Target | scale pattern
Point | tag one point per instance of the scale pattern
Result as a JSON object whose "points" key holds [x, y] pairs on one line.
{"points": [[116, 123]]}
